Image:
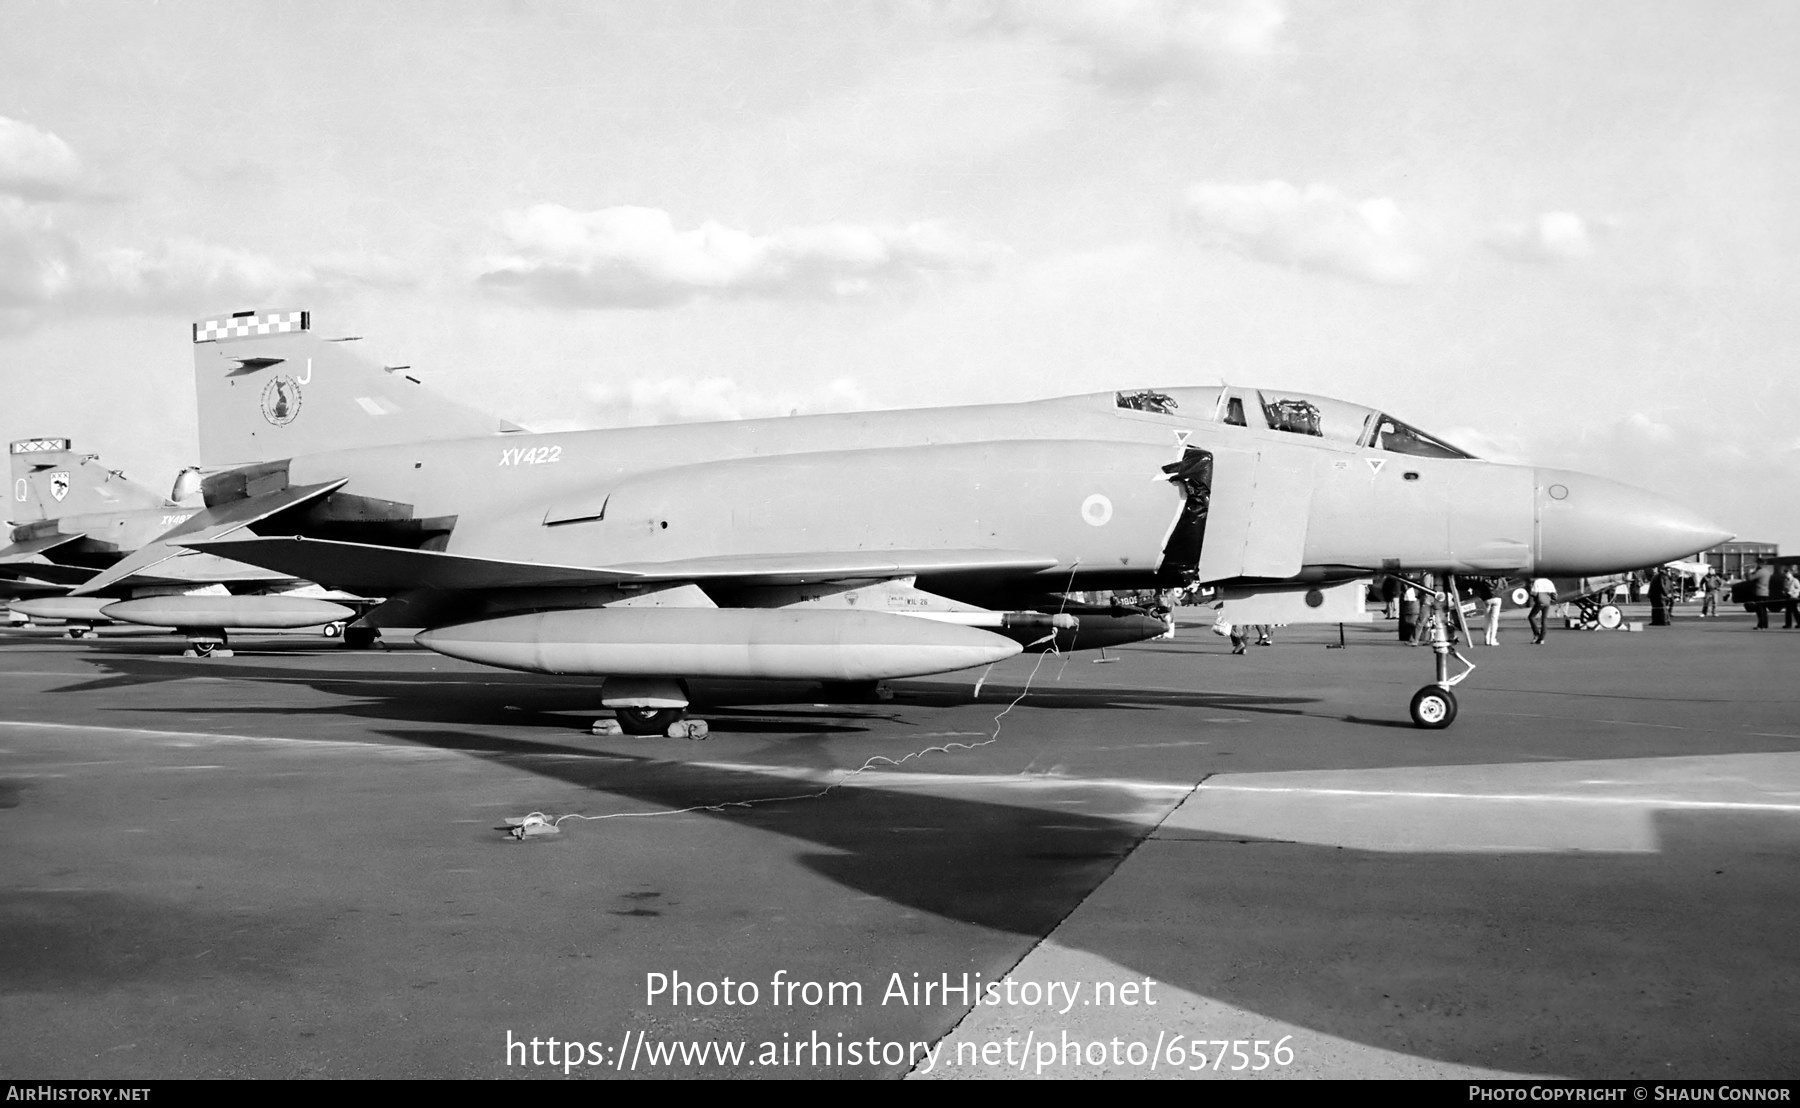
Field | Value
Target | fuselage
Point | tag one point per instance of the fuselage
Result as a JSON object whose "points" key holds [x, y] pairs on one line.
{"points": [[1078, 478]]}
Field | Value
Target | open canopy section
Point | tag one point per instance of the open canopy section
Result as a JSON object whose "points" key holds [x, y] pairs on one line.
{"points": [[1297, 413]]}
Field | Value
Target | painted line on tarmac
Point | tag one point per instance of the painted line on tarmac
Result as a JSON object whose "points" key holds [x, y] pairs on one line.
{"points": [[52, 673], [218, 736], [890, 780], [1556, 798], [1645, 723]]}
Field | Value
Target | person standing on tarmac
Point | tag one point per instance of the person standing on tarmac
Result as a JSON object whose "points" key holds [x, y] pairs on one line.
{"points": [[1543, 594], [1790, 598], [1659, 599], [1489, 590], [1762, 580], [1710, 587]]}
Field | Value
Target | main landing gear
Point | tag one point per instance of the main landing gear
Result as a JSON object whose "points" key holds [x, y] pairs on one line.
{"points": [[207, 643], [359, 637], [669, 722], [648, 721], [1592, 614], [648, 706]]}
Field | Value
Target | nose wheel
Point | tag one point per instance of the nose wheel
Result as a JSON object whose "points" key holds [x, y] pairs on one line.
{"points": [[1433, 708]]}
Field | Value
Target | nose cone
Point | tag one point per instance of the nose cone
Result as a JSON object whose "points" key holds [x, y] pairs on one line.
{"points": [[1588, 525]]}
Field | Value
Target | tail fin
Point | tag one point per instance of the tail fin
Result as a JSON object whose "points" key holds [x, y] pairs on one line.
{"points": [[50, 480], [269, 388]]}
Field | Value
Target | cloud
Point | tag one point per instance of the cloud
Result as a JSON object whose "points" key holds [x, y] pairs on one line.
{"points": [[46, 267], [677, 400], [34, 164], [1135, 45], [43, 269], [1551, 237], [35, 260], [1508, 449], [1315, 228], [180, 274], [629, 257]]}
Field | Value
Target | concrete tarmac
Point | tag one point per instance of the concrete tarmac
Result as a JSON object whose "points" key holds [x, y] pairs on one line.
{"points": [[1179, 862]]}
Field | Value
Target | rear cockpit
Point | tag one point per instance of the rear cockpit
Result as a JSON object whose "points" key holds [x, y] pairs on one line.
{"points": [[1296, 413]]}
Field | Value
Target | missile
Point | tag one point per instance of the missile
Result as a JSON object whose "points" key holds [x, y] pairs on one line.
{"points": [[83, 608], [259, 613], [784, 643], [1101, 629]]}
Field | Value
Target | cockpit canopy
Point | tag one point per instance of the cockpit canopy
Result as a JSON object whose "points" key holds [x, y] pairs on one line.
{"points": [[1296, 413]]}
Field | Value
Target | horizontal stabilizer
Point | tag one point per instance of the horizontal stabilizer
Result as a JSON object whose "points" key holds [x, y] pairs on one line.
{"points": [[210, 523], [375, 570], [47, 573], [32, 550]]}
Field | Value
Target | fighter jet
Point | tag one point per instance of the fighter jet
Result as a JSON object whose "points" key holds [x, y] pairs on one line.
{"points": [[854, 547], [75, 517]]}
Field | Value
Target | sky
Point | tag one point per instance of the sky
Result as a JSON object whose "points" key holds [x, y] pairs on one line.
{"points": [[1554, 233]]}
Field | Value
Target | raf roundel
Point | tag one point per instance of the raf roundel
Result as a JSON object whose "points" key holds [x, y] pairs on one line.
{"points": [[1096, 510], [281, 401]]}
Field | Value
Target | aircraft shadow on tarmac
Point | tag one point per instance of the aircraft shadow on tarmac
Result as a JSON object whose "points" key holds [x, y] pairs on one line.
{"points": [[731, 702], [1565, 963], [1572, 963]]}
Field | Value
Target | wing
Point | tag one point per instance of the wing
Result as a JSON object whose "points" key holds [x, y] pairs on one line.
{"points": [[372, 569], [207, 524]]}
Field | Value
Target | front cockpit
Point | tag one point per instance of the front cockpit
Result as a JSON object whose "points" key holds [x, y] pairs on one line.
{"points": [[1296, 413]]}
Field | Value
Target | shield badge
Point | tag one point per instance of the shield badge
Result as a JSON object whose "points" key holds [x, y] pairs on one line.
{"points": [[281, 401], [59, 485]]}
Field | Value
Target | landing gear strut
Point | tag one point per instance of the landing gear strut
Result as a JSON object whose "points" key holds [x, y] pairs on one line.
{"points": [[1434, 706]]}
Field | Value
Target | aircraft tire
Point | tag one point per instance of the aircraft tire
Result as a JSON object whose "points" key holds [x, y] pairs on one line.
{"points": [[1610, 617], [647, 721], [332, 630], [1433, 708]]}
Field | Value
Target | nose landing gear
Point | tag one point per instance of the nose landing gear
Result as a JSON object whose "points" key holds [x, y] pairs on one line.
{"points": [[1434, 706]]}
